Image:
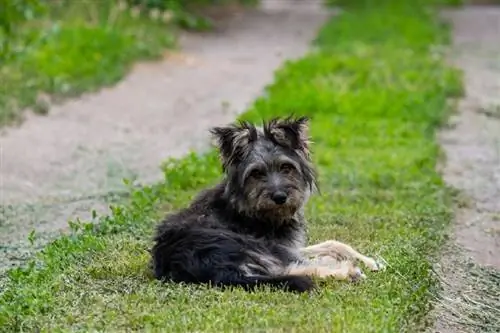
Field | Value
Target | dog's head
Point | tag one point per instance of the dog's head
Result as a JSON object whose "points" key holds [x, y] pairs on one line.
{"points": [[269, 170]]}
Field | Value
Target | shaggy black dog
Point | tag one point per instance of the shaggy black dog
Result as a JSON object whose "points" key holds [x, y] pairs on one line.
{"points": [[249, 230]]}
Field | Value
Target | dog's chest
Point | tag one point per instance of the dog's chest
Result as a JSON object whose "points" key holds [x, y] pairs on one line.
{"points": [[288, 235]]}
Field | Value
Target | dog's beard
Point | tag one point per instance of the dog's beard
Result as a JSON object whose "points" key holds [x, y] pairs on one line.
{"points": [[266, 210]]}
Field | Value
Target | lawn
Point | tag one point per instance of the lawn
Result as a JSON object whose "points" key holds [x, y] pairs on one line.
{"points": [[376, 90]]}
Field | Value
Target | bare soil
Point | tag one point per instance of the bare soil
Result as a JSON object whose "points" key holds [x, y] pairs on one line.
{"points": [[470, 268], [58, 167]]}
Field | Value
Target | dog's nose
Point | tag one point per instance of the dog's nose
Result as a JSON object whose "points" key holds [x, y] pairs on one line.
{"points": [[279, 197]]}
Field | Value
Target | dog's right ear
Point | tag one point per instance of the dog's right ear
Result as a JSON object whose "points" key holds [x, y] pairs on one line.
{"points": [[290, 132], [232, 141]]}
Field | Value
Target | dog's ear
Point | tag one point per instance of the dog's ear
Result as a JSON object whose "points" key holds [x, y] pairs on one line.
{"points": [[290, 132], [232, 141]]}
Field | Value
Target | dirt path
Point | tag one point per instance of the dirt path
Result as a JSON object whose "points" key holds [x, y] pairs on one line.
{"points": [[471, 265], [58, 167]]}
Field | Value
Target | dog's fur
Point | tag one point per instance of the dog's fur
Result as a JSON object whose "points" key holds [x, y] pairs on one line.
{"points": [[249, 230]]}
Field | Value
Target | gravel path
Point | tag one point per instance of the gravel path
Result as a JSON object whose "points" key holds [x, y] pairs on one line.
{"points": [[471, 264], [61, 166]]}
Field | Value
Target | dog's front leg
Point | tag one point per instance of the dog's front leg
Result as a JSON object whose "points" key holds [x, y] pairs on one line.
{"points": [[338, 249], [343, 270]]}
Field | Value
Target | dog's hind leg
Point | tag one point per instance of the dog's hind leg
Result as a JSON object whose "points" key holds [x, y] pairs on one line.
{"points": [[338, 249]]}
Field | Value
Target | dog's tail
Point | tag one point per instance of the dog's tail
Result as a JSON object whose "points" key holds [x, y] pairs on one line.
{"points": [[295, 283]]}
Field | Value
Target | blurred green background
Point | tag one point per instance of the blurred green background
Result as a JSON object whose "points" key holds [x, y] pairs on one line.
{"points": [[61, 48]]}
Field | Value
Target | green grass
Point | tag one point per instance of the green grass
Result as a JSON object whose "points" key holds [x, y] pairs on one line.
{"points": [[376, 92], [71, 47]]}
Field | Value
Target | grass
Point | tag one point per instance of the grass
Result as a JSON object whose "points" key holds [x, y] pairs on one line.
{"points": [[376, 91], [470, 300], [72, 47]]}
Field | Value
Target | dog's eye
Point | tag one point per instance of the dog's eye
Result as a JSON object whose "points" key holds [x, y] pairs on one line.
{"points": [[256, 173], [286, 167]]}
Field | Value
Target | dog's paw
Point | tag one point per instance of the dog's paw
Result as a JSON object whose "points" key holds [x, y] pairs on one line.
{"points": [[357, 275], [374, 265]]}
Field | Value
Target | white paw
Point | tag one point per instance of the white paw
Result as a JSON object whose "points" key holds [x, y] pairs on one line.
{"points": [[375, 265], [357, 275]]}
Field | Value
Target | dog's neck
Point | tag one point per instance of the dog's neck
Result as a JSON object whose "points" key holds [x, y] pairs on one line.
{"points": [[275, 218], [290, 232]]}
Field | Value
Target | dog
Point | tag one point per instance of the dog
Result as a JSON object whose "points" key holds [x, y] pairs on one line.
{"points": [[249, 230]]}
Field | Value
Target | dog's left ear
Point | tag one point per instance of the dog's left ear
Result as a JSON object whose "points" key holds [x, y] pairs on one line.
{"points": [[290, 132], [232, 141]]}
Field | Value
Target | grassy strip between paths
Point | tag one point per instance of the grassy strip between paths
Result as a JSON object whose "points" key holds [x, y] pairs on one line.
{"points": [[376, 91]]}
